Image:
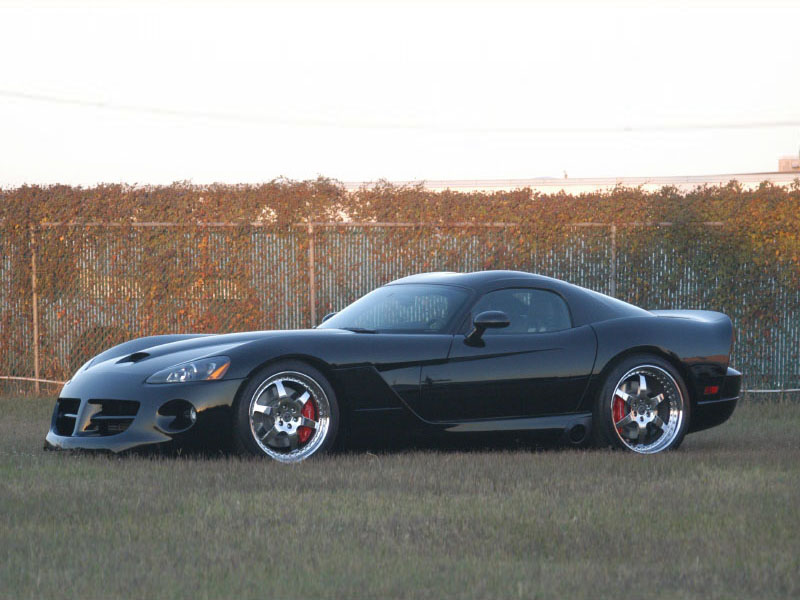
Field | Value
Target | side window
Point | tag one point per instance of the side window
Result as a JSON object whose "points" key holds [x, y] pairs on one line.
{"points": [[530, 311]]}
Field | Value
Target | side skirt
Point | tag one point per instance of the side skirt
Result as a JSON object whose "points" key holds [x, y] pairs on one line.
{"points": [[573, 427]]}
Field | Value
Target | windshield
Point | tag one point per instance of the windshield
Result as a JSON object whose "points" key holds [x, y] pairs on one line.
{"points": [[407, 308]]}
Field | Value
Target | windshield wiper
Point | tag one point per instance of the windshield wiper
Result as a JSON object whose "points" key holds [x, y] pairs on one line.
{"points": [[360, 330]]}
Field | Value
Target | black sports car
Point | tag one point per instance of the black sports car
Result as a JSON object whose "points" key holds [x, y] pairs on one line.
{"points": [[443, 354]]}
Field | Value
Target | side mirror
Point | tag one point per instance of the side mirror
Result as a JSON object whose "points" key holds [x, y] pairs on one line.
{"points": [[326, 317], [490, 319]]}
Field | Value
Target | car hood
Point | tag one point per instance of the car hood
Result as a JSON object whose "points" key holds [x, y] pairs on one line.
{"points": [[145, 356]]}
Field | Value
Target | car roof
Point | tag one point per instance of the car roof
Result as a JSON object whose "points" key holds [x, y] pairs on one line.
{"points": [[587, 306], [476, 279]]}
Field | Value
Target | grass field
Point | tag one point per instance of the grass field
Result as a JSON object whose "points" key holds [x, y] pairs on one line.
{"points": [[720, 518]]}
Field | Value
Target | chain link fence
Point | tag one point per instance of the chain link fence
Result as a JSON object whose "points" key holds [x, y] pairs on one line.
{"points": [[69, 292]]}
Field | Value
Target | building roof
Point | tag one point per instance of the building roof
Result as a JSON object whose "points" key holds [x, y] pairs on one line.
{"points": [[551, 185]]}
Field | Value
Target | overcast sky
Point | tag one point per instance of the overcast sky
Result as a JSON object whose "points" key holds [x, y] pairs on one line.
{"points": [[245, 92]]}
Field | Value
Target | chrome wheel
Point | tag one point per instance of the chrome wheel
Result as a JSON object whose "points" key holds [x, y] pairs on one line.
{"points": [[289, 416], [647, 409]]}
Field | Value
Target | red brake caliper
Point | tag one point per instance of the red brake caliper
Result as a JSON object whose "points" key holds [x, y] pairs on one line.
{"points": [[309, 412], [618, 410]]}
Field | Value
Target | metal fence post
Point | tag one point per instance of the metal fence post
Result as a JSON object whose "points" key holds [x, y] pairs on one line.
{"points": [[613, 274], [312, 279], [35, 303]]}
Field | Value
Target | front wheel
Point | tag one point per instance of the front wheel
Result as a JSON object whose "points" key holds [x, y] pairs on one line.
{"points": [[288, 411], [643, 407]]}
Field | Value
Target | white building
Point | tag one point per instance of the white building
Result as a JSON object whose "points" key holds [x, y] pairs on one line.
{"points": [[552, 185]]}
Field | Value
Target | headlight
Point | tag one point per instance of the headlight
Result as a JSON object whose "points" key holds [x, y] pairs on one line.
{"points": [[204, 369]]}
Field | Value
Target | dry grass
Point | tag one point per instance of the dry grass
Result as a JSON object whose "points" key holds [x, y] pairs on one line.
{"points": [[719, 519]]}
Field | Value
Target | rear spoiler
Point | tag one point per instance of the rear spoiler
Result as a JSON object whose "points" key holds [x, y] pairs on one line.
{"points": [[718, 327], [704, 316]]}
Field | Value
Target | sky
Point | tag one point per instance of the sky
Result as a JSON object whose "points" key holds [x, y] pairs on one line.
{"points": [[245, 92]]}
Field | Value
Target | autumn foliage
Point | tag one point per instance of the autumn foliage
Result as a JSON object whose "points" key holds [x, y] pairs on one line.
{"points": [[113, 262]]}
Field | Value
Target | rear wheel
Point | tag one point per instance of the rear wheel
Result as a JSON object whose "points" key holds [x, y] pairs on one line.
{"points": [[288, 412], [643, 406]]}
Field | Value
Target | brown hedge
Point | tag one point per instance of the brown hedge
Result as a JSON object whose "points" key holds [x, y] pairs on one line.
{"points": [[115, 261]]}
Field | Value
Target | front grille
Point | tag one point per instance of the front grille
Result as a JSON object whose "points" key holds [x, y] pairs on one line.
{"points": [[110, 417], [66, 415]]}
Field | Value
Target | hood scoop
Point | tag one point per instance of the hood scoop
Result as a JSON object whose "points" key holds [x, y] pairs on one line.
{"points": [[132, 358]]}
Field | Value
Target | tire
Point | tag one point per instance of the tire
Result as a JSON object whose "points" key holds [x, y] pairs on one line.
{"points": [[288, 412], [647, 422]]}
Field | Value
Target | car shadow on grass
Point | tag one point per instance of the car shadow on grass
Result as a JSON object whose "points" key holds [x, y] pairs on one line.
{"points": [[471, 443]]}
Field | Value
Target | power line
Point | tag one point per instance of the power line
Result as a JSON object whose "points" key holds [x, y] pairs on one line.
{"points": [[434, 127]]}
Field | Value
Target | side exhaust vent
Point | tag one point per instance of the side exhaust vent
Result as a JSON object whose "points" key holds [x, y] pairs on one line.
{"points": [[577, 434]]}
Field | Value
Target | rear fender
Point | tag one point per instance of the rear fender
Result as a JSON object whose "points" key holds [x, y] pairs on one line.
{"points": [[697, 343]]}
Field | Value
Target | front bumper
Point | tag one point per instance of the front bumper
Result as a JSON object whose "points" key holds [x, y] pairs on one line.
{"points": [[142, 425], [709, 413]]}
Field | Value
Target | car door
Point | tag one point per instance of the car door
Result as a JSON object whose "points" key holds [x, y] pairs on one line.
{"points": [[539, 365]]}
